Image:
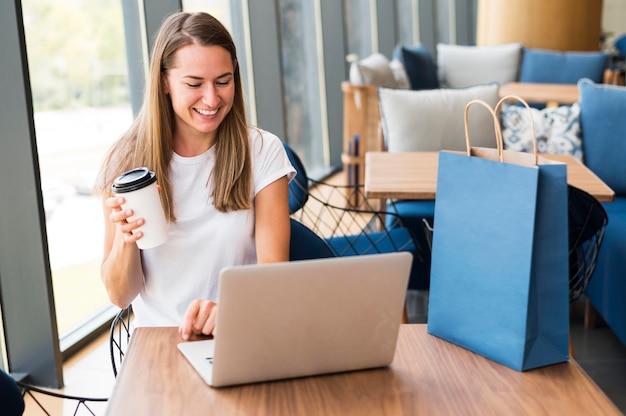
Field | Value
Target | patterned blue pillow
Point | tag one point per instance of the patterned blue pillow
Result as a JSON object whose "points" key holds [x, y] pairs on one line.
{"points": [[557, 128]]}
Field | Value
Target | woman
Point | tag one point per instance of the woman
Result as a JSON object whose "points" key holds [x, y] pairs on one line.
{"points": [[224, 185]]}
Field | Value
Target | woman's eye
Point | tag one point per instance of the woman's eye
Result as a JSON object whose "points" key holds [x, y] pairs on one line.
{"points": [[193, 85], [222, 83]]}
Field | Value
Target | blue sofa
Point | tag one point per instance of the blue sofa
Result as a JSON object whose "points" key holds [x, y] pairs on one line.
{"points": [[514, 63], [604, 145]]}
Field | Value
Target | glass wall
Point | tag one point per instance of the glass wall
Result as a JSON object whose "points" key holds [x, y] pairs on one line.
{"points": [[300, 65], [79, 82], [407, 16], [359, 29]]}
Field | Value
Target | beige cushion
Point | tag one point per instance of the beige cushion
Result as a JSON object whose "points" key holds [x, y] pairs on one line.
{"points": [[463, 66], [432, 120], [399, 73], [374, 70]]}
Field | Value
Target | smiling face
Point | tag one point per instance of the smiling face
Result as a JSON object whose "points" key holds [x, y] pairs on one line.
{"points": [[202, 89]]}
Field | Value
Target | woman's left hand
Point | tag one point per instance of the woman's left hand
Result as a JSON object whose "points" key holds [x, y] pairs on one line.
{"points": [[199, 319]]}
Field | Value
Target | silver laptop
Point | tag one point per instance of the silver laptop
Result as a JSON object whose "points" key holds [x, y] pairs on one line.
{"points": [[303, 318]]}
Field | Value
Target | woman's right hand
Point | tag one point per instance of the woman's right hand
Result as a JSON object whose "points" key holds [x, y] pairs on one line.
{"points": [[199, 319], [119, 217]]}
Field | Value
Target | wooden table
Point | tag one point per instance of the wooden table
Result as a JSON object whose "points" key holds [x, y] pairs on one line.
{"points": [[428, 376], [413, 175], [551, 94]]}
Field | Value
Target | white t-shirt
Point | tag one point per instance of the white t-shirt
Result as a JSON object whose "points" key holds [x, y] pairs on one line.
{"points": [[203, 240]]}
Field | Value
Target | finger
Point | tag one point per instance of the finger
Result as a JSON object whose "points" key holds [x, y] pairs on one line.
{"points": [[132, 237], [209, 325], [115, 202], [202, 317], [186, 324], [119, 216], [128, 227]]}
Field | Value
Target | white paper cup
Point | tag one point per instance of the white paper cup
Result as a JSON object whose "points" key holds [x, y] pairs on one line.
{"points": [[139, 188]]}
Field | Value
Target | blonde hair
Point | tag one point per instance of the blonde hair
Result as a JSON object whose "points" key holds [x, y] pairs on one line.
{"points": [[148, 142]]}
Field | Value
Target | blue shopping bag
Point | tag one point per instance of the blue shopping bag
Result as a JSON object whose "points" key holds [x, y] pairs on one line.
{"points": [[499, 274]]}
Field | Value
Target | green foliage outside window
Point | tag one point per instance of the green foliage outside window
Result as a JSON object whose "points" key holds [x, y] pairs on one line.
{"points": [[76, 53]]}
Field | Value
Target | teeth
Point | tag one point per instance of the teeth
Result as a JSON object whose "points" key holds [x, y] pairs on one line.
{"points": [[206, 112]]}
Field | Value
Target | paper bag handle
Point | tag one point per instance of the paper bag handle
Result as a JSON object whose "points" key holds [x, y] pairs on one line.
{"points": [[498, 129], [530, 115], [496, 126]]}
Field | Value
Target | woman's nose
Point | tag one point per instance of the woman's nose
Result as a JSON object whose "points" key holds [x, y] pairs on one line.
{"points": [[210, 96]]}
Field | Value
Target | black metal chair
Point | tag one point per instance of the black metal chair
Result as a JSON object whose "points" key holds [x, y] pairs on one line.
{"points": [[348, 228], [587, 223], [305, 244], [349, 223], [119, 337], [36, 393]]}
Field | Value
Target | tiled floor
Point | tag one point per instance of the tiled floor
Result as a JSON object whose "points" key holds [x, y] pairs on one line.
{"points": [[597, 350]]}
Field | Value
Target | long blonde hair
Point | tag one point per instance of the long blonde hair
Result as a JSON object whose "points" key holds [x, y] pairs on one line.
{"points": [[148, 142]]}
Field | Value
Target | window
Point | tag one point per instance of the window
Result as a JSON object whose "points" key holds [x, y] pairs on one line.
{"points": [[408, 22], [359, 29], [301, 83], [78, 73]]}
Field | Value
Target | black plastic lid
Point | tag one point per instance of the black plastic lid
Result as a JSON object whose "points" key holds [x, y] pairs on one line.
{"points": [[133, 179]]}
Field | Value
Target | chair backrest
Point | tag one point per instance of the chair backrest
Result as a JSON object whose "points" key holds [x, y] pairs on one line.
{"points": [[119, 337], [50, 401], [305, 244], [298, 187], [556, 67], [587, 222]]}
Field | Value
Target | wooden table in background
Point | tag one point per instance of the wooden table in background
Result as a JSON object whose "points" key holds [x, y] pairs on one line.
{"points": [[427, 376], [551, 94], [413, 175]]}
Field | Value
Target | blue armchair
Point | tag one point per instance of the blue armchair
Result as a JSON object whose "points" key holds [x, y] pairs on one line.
{"points": [[348, 229], [305, 244], [604, 145]]}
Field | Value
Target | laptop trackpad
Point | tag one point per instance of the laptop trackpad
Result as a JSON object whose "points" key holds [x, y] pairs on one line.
{"points": [[200, 355]]}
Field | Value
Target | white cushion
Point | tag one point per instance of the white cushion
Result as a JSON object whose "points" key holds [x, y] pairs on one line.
{"points": [[463, 66], [557, 129], [374, 70], [432, 120]]}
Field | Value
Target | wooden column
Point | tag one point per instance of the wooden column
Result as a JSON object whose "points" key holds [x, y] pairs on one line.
{"points": [[563, 25]]}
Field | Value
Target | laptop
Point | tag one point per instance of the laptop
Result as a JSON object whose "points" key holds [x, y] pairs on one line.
{"points": [[303, 318]]}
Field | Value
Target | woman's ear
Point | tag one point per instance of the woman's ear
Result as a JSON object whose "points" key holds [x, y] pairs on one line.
{"points": [[165, 84]]}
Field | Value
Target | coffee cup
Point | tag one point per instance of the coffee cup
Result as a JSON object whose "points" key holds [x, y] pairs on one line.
{"points": [[139, 189]]}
